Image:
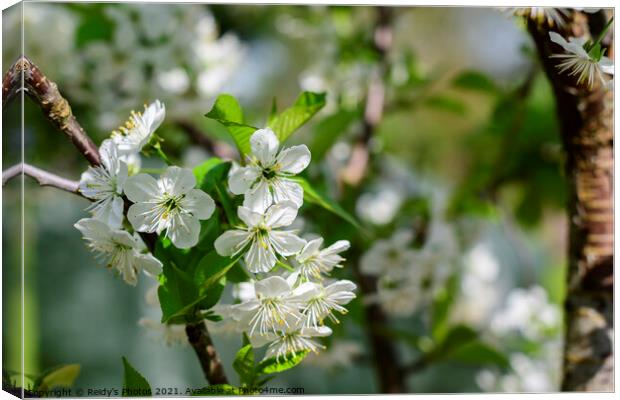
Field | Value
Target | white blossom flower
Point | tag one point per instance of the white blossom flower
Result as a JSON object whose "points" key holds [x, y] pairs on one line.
{"points": [[322, 301], [172, 334], [295, 339], [389, 256], [272, 309], [170, 203], [400, 297], [263, 236], [120, 249], [581, 63], [312, 262], [527, 311], [137, 131], [104, 184], [265, 180]]}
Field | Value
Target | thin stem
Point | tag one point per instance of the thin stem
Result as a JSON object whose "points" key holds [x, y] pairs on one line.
{"points": [[44, 178]]}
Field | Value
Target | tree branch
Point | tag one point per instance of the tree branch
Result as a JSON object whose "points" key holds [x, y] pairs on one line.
{"points": [[586, 126], [201, 342], [44, 178], [198, 137], [355, 170], [55, 107], [58, 111], [387, 364]]}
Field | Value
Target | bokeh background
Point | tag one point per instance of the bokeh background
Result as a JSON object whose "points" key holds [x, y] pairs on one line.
{"points": [[469, 135]]}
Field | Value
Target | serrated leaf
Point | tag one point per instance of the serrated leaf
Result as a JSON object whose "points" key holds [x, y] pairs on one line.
{"points": [[291, 119], [313, 196], [244, 364], [134, 384], [63, 376], [227, 111], [271, 365]]}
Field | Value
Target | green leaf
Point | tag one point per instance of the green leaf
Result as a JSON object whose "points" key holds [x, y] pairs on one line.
{"points": [[177, 292], [213, 184], [473, 80], [291, 119], [200, 171], [134, 384], [244, 365], [313, 196], [63, 376], [213, 267], [227, 112], [456, 338], [479, 353], [271, 365]]}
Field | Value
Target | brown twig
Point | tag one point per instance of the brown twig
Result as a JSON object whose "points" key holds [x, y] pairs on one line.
{"points": [[58, 111], [44, 178], [198, 137], [55, 107], [586, 127], [201, 342]]}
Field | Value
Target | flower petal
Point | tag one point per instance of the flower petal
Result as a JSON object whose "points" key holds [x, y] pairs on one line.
{"points": [[265, 145], [197, 202], [281, 214], [141, 187], [110, 211], [231, 242], [176, 180], [259, 198], [286, 190], [274, 286], [93, 229], [240, 179], [260, 257], [338, 247], [286, 243], [149, 264], [249, 217], [294, 159], [311, 248], [143, 217], [184, 231]]}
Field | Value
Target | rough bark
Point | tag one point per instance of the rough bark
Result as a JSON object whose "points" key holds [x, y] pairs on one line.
{"points": [[55, 107], [586, 118], [200, 340]]}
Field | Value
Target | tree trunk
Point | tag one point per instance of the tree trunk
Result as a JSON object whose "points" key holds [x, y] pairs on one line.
{"points": [[586, 118]]}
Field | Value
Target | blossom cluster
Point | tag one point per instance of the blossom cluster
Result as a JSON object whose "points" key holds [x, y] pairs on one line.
{"points": [[169, 204], [407, 277], [291, 296]]}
